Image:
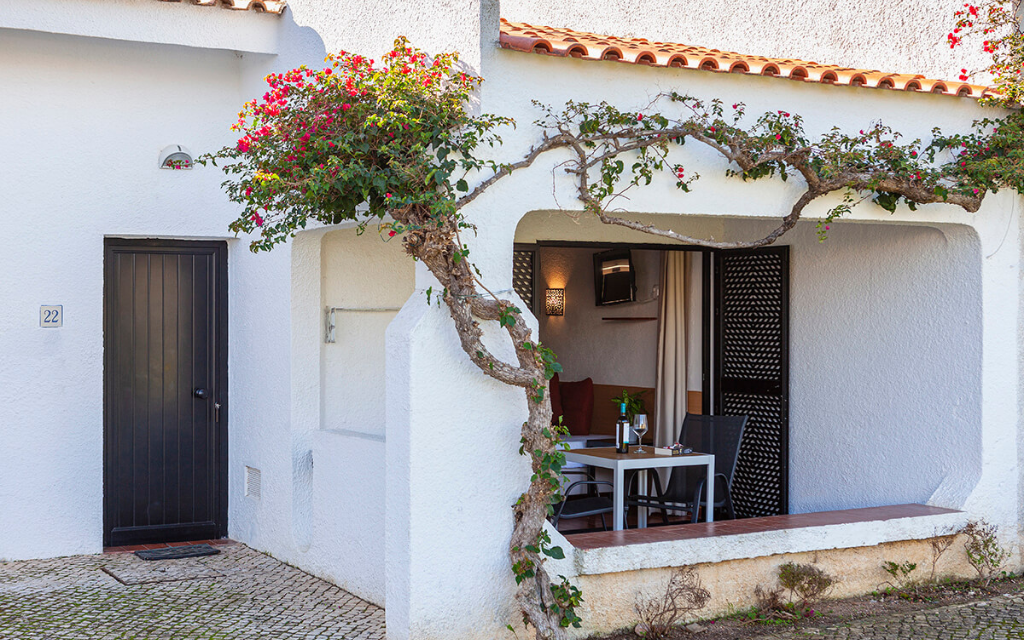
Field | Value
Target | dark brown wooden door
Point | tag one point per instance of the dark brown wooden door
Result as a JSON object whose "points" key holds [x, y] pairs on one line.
{"points": [[165, 391], [752, 372]]}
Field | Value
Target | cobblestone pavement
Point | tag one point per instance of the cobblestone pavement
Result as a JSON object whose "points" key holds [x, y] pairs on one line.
{"points": [[1000, 618], [238, 595]]}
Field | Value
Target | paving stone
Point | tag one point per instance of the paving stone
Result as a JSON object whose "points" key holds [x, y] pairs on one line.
{"points": [[1000, 618], [238, 595]]}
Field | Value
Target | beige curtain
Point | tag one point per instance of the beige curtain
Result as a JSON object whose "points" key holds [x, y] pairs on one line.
{"points": [[670, 388]]}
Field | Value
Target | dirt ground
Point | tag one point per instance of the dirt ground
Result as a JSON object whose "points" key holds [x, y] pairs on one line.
{"points": [[830, 613]]}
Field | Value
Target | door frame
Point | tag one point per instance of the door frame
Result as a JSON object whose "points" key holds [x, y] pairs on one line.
{"points": [[220, 354]]}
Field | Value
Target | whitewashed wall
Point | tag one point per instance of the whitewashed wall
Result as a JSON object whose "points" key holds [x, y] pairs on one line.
{"points": [[84, 122], [85, 119], [885, 352]]}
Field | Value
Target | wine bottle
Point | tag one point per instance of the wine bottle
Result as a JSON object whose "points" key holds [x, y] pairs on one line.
{"points": [[622, 431]]}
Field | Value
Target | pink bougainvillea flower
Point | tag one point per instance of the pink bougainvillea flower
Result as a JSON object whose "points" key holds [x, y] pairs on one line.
{"points": [[639, 117], [392, 233], [387, 195]]}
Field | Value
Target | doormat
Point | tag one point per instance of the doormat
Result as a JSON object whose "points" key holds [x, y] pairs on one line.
{"points": [[130, 570], [175, 553]]}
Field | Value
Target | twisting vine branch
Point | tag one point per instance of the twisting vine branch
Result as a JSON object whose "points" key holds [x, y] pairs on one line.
{"points": [[392, 143]]}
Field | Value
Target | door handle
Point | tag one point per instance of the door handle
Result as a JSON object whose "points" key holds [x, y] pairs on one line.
{"points": [[201, 393], [216, 412]]}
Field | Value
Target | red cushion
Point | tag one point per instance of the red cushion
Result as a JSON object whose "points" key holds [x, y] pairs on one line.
{"points": [[578, 405], [554, 388]]}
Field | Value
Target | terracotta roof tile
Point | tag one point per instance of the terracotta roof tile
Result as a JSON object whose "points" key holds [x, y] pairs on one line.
{"points": [[591, 46], [269, 6]]}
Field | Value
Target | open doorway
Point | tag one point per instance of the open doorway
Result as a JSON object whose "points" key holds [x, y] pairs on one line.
{"points": [[701, 332]]}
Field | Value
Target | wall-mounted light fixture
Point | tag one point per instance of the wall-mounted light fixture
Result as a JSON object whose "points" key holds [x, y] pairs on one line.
{"points": [[175, 157], [554, 302]]}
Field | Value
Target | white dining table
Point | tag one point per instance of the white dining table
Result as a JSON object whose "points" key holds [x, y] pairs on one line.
{"points": [[619, 463]]}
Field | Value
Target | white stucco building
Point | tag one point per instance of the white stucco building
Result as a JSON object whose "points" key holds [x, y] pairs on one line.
{"points": [[375, 459]]}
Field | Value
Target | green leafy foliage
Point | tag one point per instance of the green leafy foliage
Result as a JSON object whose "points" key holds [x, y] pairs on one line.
{"points": [[635, 403], [984, 551], [567, 598], [901, 576]]}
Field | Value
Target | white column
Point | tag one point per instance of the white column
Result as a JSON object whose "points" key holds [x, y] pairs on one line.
{"points": [[995, 497], [453, 472]]}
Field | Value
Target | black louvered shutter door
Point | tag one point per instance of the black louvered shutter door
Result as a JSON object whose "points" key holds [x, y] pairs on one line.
{"points": [[523, 268], [752, 372]]}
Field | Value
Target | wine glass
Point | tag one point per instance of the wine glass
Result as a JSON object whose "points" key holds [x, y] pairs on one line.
{"points": [[639, 428]]}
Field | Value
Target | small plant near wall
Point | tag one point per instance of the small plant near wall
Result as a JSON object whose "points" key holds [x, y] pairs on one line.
{"points": [[901, 580], [983, 550], [940, 546], [800, 588]]}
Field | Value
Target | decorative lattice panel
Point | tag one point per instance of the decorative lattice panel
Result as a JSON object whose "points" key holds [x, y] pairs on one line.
{"points": [[752, 373], [758, 481], [522, 275], [752, 309]]}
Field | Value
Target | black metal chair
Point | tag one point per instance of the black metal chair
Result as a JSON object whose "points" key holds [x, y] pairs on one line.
{"points": [[592, 504], [718, 435]]}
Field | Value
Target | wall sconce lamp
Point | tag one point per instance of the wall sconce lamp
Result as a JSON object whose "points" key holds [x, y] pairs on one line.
{"points": [[175, 157], [554, 302]]}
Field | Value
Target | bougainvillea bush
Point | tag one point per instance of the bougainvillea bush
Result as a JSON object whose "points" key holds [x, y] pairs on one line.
{"points": [[355, 140], [995, 27]]}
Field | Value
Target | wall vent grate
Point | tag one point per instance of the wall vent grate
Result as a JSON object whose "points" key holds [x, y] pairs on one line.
{"points": [[252, 482]]}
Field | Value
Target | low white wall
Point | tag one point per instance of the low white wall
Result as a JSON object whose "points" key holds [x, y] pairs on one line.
{"points": [[349, 472], [359, 272]]}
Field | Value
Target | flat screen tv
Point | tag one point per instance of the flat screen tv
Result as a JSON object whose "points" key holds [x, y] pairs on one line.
{"points": [[614, 277]]}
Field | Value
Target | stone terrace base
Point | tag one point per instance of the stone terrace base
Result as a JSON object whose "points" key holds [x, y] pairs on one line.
{"points": [[239, 593], [749, 525], [613, 569]]}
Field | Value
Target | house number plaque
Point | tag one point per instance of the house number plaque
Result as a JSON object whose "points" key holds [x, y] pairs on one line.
{"points": [[51, 316]]}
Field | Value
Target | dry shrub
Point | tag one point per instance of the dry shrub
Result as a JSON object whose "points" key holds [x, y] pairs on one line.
{"points": [[683, 596], [984, 552], [939, 547], [771, 601], [806, 582]]}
